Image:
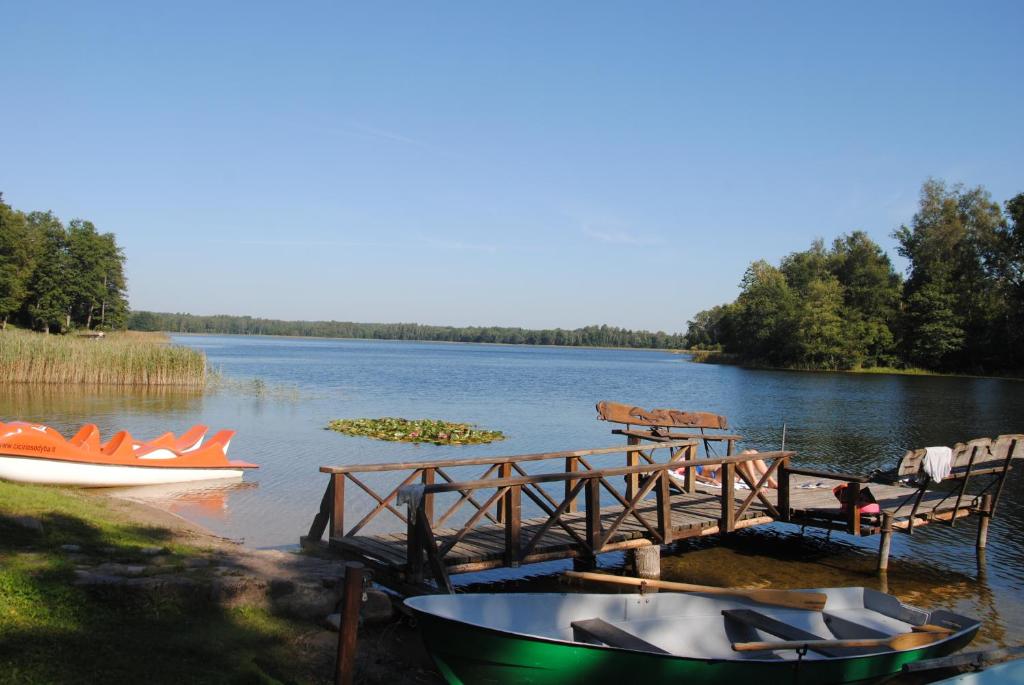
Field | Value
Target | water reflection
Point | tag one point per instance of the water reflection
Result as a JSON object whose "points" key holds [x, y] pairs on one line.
{"points": [[790, 560], [67, 407], [202, 502]]}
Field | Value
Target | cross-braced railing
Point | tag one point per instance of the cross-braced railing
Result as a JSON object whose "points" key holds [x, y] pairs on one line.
{"points": [[331, 515], [600, 525]]}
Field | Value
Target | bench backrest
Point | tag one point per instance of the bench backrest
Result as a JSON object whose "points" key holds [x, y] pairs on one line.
{"points": [[989, 453], [617, 412]]}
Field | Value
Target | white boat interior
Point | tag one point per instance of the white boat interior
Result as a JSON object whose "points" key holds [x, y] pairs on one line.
{"points": [[694, 625]]}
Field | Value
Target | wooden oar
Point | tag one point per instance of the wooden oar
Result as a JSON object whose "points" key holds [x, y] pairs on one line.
{"points": [[809, 601], [897, 643]]}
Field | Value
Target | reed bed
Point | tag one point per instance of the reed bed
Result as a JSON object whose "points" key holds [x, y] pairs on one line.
{"points": [[122, 359]]}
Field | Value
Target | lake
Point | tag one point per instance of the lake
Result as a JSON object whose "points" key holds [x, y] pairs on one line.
{"points": [[543, 399]]}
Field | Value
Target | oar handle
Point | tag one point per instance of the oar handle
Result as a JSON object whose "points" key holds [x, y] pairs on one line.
{"points": [[809, 601], [809, 644], [897, 643]]}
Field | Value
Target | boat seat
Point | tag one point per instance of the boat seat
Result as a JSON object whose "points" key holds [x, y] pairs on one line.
{"points": [[784, 631], [845, 629], [598, 629]]}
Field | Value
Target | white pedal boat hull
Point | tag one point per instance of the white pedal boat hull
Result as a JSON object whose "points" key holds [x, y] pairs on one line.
{"points": [[57, 472]]}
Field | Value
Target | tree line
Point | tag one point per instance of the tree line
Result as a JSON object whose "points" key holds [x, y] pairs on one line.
{"points": [[55, 277], [589, 336], [959, 309]]}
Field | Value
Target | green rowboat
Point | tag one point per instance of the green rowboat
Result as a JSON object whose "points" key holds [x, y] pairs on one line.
{"points": [[549, 639]]}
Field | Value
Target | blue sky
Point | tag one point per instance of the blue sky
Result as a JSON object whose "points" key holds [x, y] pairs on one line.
{"points": [[536, 164]]}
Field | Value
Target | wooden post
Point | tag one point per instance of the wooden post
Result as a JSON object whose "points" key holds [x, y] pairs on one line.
{"points": [[632, 459], [1002, 477], [337, 506], [413, 549], [784, 486], [504, 471], [691, 471], [852, 494], [572, 465], [593, 503], [647, 562], [728, 518], [348, 628], [513, 518], [886, 544], [986, 517], [428, 497], [664, 503]]}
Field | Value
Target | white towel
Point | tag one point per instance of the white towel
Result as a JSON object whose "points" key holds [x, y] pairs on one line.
{"points": [[938, 462]]}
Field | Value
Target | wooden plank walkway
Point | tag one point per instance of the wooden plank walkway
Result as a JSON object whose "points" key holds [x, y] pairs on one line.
{"points": [[581, 509], [484, 547]]}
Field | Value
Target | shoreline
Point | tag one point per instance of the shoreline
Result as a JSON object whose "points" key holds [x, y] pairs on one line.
{"points": [[669, 350], [873, 371]]}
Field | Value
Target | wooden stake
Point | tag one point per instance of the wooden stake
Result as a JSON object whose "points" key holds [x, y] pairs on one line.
{"points": [[648, 563], [348, 628], [886, 543], [986, 516]]}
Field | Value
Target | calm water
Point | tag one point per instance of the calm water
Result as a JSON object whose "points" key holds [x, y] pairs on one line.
{"points": [[543, 399]]}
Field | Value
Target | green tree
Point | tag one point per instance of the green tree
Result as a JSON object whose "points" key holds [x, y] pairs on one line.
{"points": [[871, 296], [765, 312], [818, 334], [15, 261], [48, 300], [946, 243], [1005, 261], [709, 329]]}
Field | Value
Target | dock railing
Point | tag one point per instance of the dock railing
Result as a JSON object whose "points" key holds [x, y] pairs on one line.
{"points": [[331, 515], [424, 548]]}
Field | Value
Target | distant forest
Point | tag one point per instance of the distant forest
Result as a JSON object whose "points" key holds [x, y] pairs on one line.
{"points": [[590, 336], [54, 278], [960, 308]]}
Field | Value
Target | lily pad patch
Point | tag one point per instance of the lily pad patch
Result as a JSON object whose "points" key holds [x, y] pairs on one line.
{"points": [[416, 430]]}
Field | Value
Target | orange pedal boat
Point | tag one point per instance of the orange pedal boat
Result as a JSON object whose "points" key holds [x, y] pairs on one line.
{"points": [[34, 453]]}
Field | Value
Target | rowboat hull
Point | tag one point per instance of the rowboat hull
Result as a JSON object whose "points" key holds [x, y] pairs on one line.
{"points": [[57, 472], [522, 646]]}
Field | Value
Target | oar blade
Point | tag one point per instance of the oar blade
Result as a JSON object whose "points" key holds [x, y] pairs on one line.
{"points": [[914, 640]]}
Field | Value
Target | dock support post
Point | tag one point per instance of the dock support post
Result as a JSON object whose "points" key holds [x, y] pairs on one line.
{"points": [[633, 479], [647, 562], [886, 544], [986, 516], [348, 627]]}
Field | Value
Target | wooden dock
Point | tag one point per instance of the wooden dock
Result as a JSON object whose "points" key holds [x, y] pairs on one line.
{"points": [[424, 521]]}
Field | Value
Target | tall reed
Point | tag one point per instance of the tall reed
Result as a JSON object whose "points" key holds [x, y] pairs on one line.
{"points": [[125, 359]]}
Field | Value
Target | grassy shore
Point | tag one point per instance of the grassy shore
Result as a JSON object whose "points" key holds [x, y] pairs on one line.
{"points": [[124, 359], [717, 357], [53, 632]]}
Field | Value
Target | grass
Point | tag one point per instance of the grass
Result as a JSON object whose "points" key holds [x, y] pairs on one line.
{"points": [[123, 359], [416, 430], [54, 632]]}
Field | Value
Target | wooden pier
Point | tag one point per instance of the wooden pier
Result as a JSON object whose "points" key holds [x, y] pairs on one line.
{"points": [[421, 522]]}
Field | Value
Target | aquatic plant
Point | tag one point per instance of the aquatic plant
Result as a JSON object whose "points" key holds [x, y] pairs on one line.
{"points": [[126, 359], [416, 430]]}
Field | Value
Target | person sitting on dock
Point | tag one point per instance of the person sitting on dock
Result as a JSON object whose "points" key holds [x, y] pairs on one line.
{"points": [[753, 470]]}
